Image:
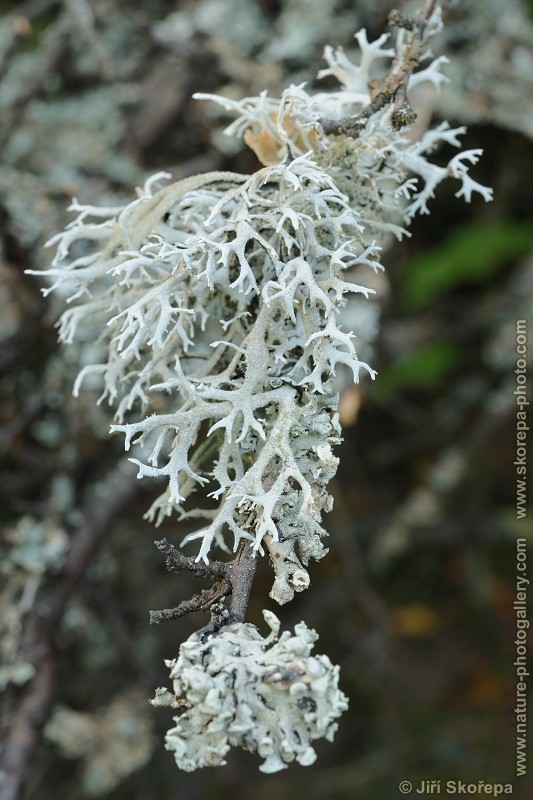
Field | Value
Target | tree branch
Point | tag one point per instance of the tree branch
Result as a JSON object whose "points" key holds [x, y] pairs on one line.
{"points": [[233, 578], [200, 602], [393, 87], [177, 562], [241, 573]]}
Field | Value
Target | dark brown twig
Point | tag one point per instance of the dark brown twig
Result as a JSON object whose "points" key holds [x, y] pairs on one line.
{"points": [[203, 601], [393, 87], [241, 573], [177, 562], [232, 578]]}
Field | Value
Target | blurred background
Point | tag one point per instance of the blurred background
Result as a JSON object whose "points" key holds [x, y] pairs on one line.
{"points": [[415, 599]]}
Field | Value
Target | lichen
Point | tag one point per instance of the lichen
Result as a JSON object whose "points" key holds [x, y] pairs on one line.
{"points": [[112, 743], [269, 696]]}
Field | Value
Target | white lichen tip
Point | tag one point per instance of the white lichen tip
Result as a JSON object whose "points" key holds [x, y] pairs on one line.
{"points": [[269, 696]]}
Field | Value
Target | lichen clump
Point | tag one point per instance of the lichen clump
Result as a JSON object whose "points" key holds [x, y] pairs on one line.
{"points": [[269, 696]]}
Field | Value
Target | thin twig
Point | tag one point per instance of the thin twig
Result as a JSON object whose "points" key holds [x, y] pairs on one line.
{"points": [[425, 16], [203, 601], [232, 578], [393, 87], [177, 562]]}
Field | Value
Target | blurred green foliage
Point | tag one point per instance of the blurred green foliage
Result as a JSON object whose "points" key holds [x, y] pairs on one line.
{"points": [[426, 368], [468, 255]]}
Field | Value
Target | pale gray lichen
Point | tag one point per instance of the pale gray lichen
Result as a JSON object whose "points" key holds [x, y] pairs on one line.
{"points": [[491, 73], [269, 696], [112, 743], [251, 267], [386, 176], [223, 292], [28, 552]]}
